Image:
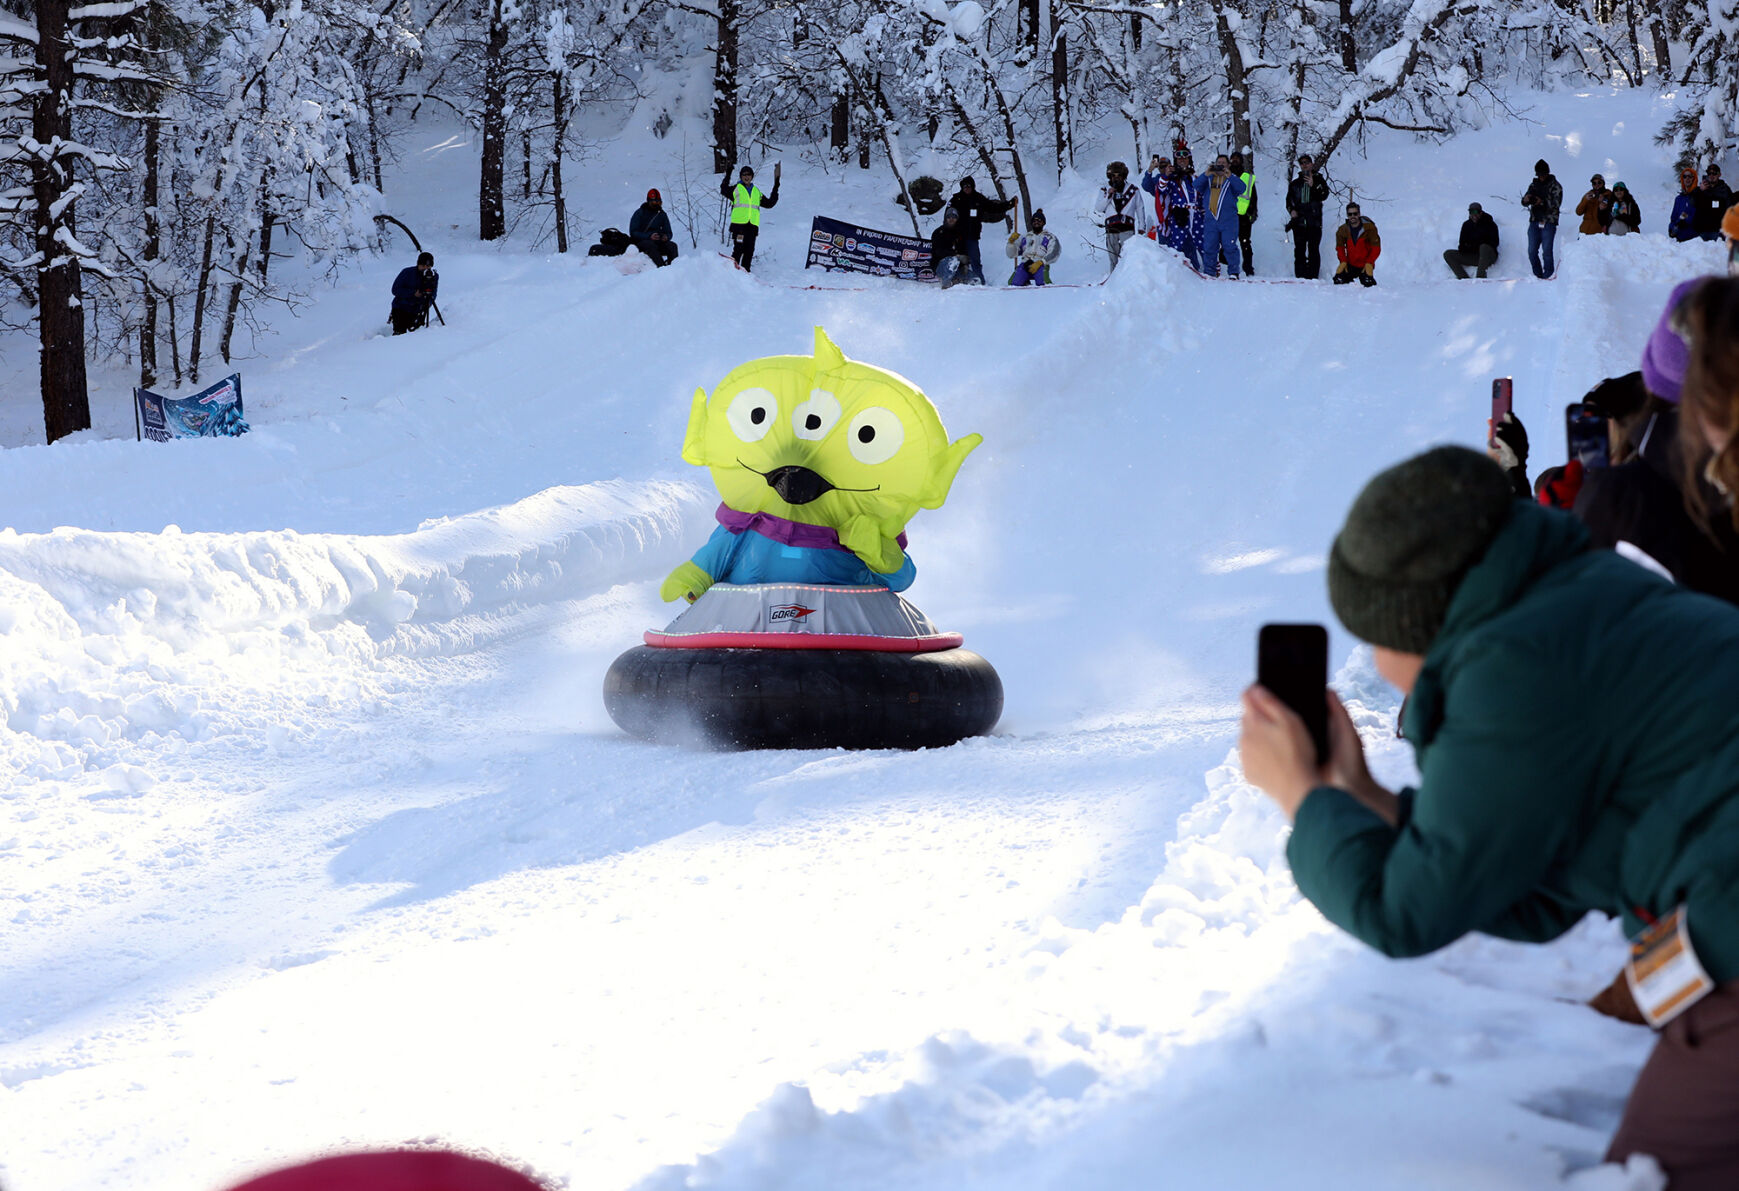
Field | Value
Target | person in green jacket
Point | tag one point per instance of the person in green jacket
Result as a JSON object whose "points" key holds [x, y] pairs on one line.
{"points": [[1575, 719]]}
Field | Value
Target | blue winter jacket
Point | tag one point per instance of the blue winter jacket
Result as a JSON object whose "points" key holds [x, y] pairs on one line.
{"points": [[408, 287], [1230, 189], [750, 557], [1683, 224]]}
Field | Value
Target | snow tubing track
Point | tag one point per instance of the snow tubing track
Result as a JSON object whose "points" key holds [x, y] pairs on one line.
{"points": [[803, 698]]}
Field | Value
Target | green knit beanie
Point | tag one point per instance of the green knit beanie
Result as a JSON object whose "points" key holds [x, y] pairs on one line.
{"points": [[1409, 539]]}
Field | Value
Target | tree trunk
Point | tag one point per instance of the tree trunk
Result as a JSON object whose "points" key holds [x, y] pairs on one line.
{"points": [[152, 251], [174, 341], [560, 101], [239, 265], [1663, 50], [1237, 84], [66, 405], [268, 221], [1032, 31], [199, 300], [491, 207], [1060, 95], [839, 135], [525, 163], [1349, 61], [725, 88]]}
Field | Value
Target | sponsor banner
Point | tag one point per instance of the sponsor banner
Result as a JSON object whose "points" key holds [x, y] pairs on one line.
{"points": [[214, 412], [853, 249]]}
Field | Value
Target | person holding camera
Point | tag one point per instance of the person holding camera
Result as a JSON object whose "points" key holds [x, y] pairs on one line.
{"points": [[1534, 809], [1357, 246], [413, 293], [1218, 191], [1305, 195], [1544, 196], [1120, 209], [1595, 208]]}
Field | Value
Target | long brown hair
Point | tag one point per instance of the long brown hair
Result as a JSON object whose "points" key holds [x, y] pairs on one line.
{"points": [[1710, 395]]}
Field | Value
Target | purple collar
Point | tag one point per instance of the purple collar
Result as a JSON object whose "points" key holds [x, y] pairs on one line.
{"points": [[791, 533]]}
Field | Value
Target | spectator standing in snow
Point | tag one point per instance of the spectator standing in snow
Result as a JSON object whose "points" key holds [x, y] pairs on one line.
{"points": [[649, 228], [948, 255], [1120, 209], [1183, 168], [1153, 181], [413, 292], [975, 211], [1533, 809], [1682, 224], [1357, 246], [1246, 212], [1543, 199], [1595, 208], [747, 202], [1305, 195], [1218, 191], [1626, 215], [1712, 199], [1478, 245], [1033, 253], [1171, 204]]}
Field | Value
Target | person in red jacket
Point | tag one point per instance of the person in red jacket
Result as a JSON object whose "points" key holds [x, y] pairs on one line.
{"points": [[1358, 246]]}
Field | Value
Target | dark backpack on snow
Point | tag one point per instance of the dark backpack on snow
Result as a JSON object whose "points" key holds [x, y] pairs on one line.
{"points": [[612, 241]]}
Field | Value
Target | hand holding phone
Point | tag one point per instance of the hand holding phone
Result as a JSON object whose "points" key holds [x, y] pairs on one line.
{"points": [[1585, 435], [1502, 402], [1292, 664]]}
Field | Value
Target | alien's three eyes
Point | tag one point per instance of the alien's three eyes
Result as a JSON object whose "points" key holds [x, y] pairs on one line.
{"points": [[874, 435]]}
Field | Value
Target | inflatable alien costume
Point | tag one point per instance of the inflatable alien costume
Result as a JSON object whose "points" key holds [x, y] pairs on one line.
{"points": [[795, 637]]}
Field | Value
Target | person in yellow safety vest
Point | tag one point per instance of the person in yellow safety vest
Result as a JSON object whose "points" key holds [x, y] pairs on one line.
{"points": [[1246, 208], [747, 201]]}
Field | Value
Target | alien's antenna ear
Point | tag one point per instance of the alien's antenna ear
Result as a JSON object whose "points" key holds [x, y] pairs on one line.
{"points": [[827, 356], [694, 442]]}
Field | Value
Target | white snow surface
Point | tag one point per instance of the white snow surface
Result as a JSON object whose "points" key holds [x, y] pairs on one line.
{"points": [[317, 836]]}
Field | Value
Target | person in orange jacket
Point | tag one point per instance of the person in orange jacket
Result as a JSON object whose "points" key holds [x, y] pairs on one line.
{"points": [[1358, 246]]}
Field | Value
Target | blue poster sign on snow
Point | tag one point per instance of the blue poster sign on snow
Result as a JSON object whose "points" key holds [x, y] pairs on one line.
{"points": [[214, 412], [837, 245]]}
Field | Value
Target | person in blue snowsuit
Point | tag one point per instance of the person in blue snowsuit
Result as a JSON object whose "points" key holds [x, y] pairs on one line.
{"points": [[762, 548], [1217, 191]]}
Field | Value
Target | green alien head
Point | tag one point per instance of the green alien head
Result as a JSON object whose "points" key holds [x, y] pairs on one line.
{"points": [[824, 440]]}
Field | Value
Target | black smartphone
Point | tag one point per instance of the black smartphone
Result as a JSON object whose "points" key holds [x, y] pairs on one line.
{"points": [[1585, 435], [1292, 662], [1502, 402]]}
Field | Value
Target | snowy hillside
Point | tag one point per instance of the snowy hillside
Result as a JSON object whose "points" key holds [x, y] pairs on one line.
{"points": [[317, 835]]}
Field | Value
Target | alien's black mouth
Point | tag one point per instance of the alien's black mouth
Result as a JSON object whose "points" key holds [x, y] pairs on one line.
{"points": [[799, 485]]}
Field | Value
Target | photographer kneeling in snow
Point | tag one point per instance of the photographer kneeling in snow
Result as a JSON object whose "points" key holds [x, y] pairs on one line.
{"points": [[1532, 808], [413, 292]]}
